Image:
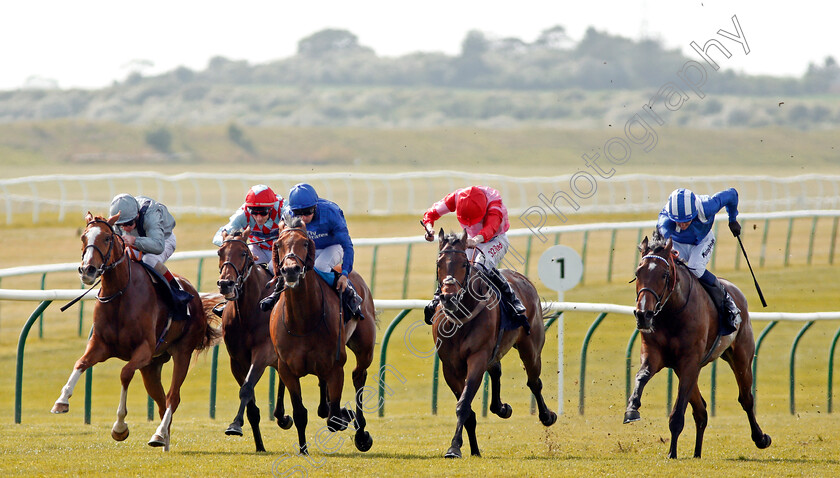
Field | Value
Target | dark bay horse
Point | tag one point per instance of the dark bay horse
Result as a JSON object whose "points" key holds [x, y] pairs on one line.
{"points": [[309, 335], [132, 323], [470, 339], [679, 327], [243, 283]]}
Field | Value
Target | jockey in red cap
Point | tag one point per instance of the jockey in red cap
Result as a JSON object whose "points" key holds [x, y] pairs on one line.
{"points": [[483, 216], [261, 212]]}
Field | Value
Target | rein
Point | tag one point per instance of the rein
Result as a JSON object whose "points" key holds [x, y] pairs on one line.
{"points": [[241, 276]]}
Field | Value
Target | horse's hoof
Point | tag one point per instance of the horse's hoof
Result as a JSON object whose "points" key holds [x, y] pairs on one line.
{"points": [[549, 419], [632, 416], [764, 442], [336, 424], [475, 453], [506, 411], [234, 430], [363, 441], [157, 441], [119, 436], [453, 452], [285, 422], [323, 411], [60, 408]]}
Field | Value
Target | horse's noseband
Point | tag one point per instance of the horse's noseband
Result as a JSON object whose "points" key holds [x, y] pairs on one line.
{"points": [[294, 256], [462, 289], [106, 257], [661, 300]]}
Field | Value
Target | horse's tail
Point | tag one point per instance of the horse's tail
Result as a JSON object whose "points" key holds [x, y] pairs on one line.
{"points": [[212, 331]]}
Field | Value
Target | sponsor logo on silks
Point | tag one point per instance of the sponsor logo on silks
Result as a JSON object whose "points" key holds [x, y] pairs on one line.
{"points": [[708, 248], [317, 235], [495, 249]]}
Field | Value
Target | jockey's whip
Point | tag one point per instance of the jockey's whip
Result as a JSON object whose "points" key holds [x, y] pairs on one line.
{"points": [[757, 287]]}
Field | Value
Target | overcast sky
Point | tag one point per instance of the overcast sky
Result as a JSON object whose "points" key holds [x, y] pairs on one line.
{"points": [[91, 43]]}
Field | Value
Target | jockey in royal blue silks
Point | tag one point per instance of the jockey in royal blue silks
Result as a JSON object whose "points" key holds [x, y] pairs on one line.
{"points": [[687, 220], [327, 227]]}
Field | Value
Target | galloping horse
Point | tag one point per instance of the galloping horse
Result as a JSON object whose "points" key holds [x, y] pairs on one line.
{"points": [[471, 340], [246, 329], [131, 322], [309, 335], [679, 326]]}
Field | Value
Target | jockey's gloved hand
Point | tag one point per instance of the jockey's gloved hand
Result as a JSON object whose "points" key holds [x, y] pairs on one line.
{"points": [[735, 228], [474, 241], [430, 234]]}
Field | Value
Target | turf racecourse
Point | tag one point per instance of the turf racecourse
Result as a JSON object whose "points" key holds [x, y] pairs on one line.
{"points": [[409, 440]]}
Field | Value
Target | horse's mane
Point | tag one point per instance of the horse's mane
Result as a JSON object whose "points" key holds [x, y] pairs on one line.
{"points": [[236, 233], [657, 244], [452, 238], [294, 221]]}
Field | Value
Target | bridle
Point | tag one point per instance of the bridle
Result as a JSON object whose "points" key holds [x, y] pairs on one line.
{"points": [[241, 276], [661, 300], [462, 288], [106, 258], [291, 254]]}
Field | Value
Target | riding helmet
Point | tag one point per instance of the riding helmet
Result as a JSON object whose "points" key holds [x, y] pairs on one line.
{"points": [[302, 196], [682, 205], [260, 196], [471, 206], [126, 205]]}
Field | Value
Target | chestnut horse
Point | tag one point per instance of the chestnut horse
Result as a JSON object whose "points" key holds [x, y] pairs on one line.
{"points": [[470, 339], [132, 323], [309, 334], [679, 327], [243, 283]]}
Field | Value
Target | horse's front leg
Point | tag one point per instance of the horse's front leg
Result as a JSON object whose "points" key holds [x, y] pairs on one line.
{"points": [[180, 367], [299, 412], [246, 399], [94, 353], [463, 410], [651, 363], [701, 419], [339, 418], [139, 359], [503, 410], [687, 375], [362, 439], [283, 421]]}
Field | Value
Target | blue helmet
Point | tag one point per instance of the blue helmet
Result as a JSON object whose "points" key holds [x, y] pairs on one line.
{"points": [[302, 196], [682, 205]]}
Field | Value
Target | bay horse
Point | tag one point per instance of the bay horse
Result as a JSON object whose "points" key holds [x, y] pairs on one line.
{"points": [[246, 329], [470, 340], [309, 335], [131, 322], [679, 326]]}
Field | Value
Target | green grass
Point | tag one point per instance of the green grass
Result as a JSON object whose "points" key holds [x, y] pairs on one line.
{"points": [[409, 440]]}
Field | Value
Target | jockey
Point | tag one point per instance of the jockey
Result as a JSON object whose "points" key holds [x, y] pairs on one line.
{"points": [[146, 227], [687, 220], [261, 212], [327, 227], [482, 215]]}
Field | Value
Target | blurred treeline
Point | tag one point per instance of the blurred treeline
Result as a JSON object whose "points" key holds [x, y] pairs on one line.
{"points": [[335, 81]]}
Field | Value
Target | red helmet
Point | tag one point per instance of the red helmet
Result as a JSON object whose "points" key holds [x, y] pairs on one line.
{"points": [[471, 206], [260, 196]]}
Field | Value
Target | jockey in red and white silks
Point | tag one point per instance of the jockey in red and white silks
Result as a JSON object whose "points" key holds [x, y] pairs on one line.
{"points": [[262, 213]]}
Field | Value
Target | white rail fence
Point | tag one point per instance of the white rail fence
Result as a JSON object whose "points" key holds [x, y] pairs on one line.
{"points": [[403, 193]]}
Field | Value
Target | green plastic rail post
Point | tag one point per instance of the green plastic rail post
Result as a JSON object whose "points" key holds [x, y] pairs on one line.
{"points": [[583, 350], [383, 357], [21, 345], [792, 357], [758, 343], [214, 361], [831, 367], [41, 317]]}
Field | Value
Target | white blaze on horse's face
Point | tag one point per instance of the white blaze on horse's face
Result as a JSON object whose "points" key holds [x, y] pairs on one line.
{"points": [[90, 238]]}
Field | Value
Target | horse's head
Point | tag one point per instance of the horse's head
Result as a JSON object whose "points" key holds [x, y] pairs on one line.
{"points": [[655, 280], [294, 252], [235, 261], [453, 269], [100, 247]]}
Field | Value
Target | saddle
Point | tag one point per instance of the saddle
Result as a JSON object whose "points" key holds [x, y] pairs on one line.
{"points": [[164, 291]]}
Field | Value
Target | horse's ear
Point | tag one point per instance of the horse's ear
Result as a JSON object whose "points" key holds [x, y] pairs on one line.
{"points": [[113, 219], [644, 245], [309, 263], [224, 235], [88, 217], [441, 235], [668, 245], [245, 233], [464, 236]]}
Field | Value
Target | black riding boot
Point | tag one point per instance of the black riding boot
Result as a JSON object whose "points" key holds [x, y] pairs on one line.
{"points": [[267, 303], [431, 307], [353, 302], [509, 297], [181, 297], [723, 302]]}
